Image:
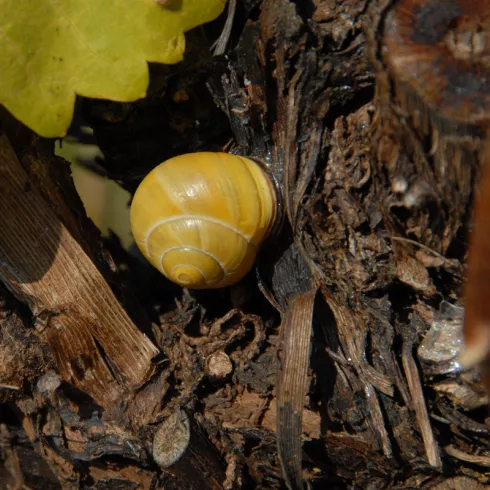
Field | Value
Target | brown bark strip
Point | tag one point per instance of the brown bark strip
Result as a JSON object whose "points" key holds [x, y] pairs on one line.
{"points": [[95, 343], [418, 400], [291, 386], [477, 311]]}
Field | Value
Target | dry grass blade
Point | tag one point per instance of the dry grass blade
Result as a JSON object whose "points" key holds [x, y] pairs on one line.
{"points": [[296, 330], [220, 45], [95, 343]]}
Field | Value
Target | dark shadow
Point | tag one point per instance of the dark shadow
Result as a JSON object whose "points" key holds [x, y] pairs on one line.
{"points": [[324, 337], [87, 406], [29, 227]]}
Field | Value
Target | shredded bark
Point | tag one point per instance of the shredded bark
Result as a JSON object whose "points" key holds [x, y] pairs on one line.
{"points": [[378, 168]]}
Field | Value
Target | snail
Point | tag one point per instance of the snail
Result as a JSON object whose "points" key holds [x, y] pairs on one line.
{"points": [[200, 218]]}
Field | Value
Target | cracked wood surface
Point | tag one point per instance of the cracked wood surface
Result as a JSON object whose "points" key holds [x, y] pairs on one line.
{"points": [[96, 345]]}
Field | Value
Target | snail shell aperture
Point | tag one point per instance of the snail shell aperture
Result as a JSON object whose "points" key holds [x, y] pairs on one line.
{"points": [[200, 218]]}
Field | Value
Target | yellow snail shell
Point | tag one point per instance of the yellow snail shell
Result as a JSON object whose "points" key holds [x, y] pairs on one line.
{"points": [[200, 218]]}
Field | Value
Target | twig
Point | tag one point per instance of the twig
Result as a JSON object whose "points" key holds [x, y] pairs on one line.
{"points": [[220, 45]]}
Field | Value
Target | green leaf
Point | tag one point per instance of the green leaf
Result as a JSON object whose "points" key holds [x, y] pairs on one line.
{"points": [[52, 50]]}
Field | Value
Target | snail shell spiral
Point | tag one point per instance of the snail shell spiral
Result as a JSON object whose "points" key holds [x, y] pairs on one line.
{"points": [[200, 218]]}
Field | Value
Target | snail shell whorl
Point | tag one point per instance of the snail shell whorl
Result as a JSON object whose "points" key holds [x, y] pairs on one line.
{"points": [[200, 218]]}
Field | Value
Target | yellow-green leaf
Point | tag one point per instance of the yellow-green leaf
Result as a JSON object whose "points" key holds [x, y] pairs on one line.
{"points": [[52, 50]]}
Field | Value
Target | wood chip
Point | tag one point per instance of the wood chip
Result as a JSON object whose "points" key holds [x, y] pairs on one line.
{"points": [[96, 345], [418, 400]]}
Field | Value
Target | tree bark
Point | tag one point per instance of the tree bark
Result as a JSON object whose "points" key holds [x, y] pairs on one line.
{"points": [[335, 362]]}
